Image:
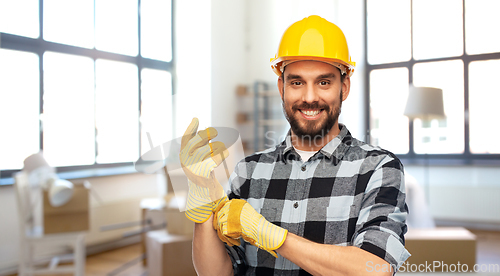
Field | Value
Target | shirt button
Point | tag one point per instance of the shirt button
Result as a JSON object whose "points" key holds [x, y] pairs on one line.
{"points": [[296, 205], [303, 168]]}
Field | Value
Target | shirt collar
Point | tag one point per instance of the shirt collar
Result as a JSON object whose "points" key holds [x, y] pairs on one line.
{"points": [[336, 147]]}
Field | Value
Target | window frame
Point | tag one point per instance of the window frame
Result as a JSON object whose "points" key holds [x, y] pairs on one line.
{"points": [[413, 158], [39, 46]]}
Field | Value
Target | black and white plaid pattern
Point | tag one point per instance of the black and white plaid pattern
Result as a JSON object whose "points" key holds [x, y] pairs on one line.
{"points": [[349, 194]]}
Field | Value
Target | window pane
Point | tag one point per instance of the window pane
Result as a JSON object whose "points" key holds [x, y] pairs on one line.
{"points": [[156, 29], [19, 17], [68, 110], [156, 107], [389, 127], [437, 28], [116, 26], [389, 31], [117, 116], [19, 107], [69, 22], [447, 135], [484, 96], [480, 15]]}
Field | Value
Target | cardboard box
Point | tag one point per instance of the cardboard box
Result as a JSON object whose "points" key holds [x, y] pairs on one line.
{"points": [[169, 255], [242, 118], [70, 217], [443, 248], [177, 222], [241, 90]]}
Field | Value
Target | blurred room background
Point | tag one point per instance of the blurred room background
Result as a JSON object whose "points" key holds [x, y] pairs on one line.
{"points": [[95, 86]]}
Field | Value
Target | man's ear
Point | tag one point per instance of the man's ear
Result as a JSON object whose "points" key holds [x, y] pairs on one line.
{"points": [[346, 87], [280, 86]]}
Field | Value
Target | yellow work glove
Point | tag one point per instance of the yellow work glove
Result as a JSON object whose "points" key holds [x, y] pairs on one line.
{"points": [[198, 159], [236, 218]]}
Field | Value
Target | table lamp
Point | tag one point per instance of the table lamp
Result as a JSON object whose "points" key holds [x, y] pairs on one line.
{"points": [[425, 103], [40, 173]]}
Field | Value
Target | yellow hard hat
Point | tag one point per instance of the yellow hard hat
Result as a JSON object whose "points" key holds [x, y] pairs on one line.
{"points": [[313, 38]]}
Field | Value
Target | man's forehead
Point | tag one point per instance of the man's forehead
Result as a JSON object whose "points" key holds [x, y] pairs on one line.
{"points": [[307, 68]]}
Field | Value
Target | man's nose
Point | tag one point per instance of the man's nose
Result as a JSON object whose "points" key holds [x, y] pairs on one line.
{"points": [[310, 94]]}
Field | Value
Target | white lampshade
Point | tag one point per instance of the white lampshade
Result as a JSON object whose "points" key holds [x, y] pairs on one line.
{"points": [[60, 192], [41, 174], [38, 170], [36, 161], [425, 103]]}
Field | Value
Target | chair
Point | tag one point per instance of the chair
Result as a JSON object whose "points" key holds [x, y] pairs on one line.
{"points": [[32, 237]]}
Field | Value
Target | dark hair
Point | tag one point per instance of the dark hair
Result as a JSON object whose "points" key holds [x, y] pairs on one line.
{"points": [[342, 76]]}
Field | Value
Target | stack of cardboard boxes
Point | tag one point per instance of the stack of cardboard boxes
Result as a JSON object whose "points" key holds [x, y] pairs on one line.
{"points": [[169, 251]]}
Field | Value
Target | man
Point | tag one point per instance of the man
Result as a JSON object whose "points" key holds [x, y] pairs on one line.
{"points": [[321, 202]]}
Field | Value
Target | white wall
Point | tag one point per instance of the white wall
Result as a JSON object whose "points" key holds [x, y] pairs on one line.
{"points": [[350, 20], [228, 58], [210, 61], [9, 230], [193, 72]]}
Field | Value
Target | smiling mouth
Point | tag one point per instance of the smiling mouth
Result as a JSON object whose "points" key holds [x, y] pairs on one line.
{"points": [[310, 113]]}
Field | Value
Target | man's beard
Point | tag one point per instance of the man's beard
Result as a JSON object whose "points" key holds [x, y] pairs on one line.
{"points": [[312, 130]]}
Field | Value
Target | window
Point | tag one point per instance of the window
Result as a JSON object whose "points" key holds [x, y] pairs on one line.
{"points": [[83, 81], [440, 44]]}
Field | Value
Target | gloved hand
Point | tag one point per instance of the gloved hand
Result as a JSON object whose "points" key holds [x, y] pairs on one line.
{"points": [[198, 159], [236, 218]]}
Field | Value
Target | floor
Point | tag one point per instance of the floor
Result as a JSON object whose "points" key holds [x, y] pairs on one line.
{"points": [[126, 261], [488, 247], [120, 262]]}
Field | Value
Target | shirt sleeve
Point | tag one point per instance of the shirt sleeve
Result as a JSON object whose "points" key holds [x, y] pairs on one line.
{"points": [[381, 223]]}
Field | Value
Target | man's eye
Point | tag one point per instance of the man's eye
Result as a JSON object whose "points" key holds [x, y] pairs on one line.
{"points": [[296, 83], [323, 83]]}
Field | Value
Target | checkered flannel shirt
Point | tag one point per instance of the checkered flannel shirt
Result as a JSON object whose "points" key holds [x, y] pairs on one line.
{"points": [[348, 194]]}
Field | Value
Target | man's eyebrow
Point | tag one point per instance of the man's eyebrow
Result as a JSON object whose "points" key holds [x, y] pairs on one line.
{"points": [[293, 77], [326, 76], [298, 77]]}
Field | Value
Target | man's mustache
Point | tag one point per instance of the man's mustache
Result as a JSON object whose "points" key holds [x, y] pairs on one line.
{"points": [[310, 106]]}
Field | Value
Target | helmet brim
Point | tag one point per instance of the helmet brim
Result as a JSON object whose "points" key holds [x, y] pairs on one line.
{"points": [[277, 63]]}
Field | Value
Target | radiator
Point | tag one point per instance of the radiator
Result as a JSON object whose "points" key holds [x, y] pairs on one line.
{"points": [[112, 213], [465, 203]]}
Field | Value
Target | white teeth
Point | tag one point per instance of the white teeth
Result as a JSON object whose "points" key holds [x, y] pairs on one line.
{"points": [[310, 112]]}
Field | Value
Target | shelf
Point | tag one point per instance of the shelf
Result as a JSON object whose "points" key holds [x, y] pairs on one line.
{"points": [[272, 93], [260, 110]]}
